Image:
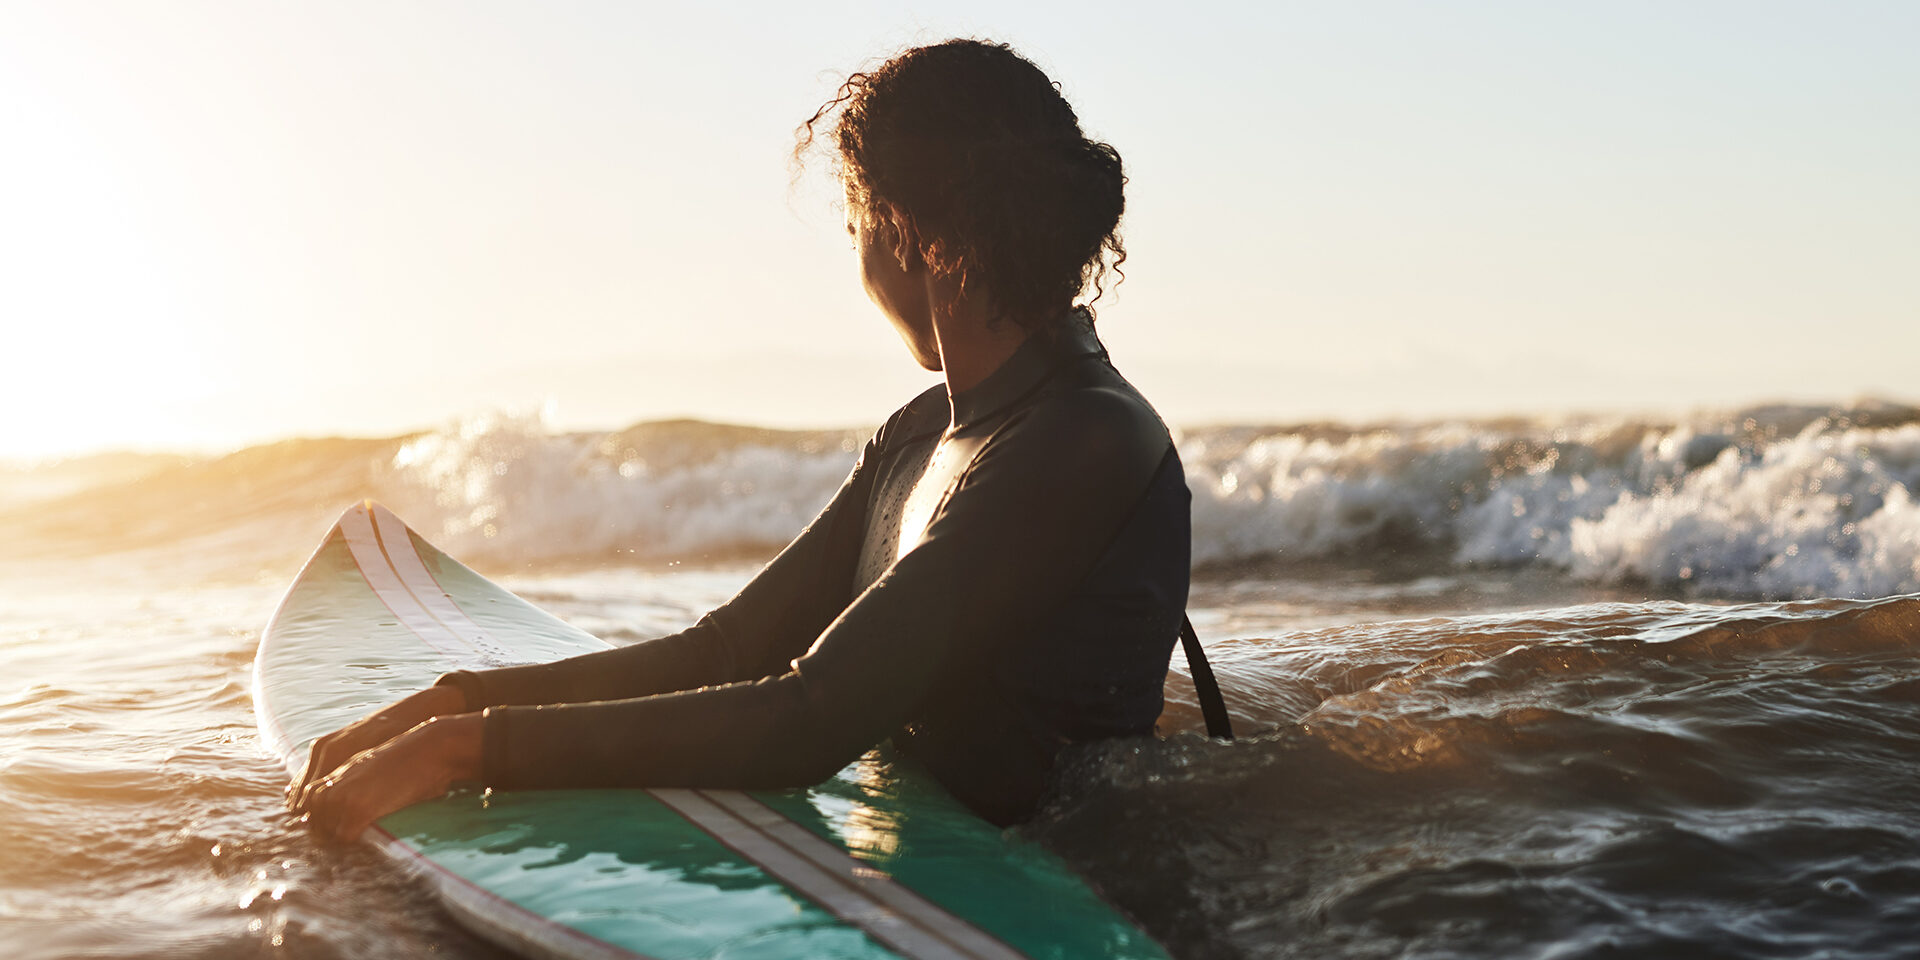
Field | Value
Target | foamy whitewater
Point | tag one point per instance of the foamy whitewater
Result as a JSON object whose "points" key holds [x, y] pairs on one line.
{"points": [[1593, 687]]}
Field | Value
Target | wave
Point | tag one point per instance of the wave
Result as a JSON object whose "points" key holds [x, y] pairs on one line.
{"points": [[507, 488], [1662, 779], [1770, 502]]}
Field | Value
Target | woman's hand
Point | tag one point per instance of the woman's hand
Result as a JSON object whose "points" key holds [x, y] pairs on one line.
{"points": [[372, 730], [417, 765]]}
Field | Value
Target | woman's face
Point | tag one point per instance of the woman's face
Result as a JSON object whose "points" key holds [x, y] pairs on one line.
{"points": [[899, 292]]}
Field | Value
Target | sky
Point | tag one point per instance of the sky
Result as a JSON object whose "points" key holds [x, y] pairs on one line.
{"points": [[225, 223]]}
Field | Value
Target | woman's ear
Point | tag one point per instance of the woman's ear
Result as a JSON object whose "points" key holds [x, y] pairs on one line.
{"points": [[900, 234]]}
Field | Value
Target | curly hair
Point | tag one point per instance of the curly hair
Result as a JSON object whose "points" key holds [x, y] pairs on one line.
{"points": [[984, 156]]}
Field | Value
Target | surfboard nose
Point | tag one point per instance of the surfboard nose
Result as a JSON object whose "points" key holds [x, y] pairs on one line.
{"points": [[364, 508], [372, 511]]}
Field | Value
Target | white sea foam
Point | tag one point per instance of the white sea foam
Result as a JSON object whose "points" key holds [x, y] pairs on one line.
{"points": [[1776, 502], [509, 488], [1738, 508], [1298, 495], [1824, 513]]}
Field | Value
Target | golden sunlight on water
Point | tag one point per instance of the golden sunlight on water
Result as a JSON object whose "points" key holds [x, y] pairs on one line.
{"points": [[873, 834], [1520, 779]]}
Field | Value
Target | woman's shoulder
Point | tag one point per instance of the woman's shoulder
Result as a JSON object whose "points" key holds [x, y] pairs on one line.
{"points": [[1096, 395], [1096, 422], [925, 415]]}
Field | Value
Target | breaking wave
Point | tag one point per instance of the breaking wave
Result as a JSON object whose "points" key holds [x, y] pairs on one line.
{"points": [[1773, 502]]}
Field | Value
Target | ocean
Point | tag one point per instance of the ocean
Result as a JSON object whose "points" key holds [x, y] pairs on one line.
{"points": [[1583, 687]]}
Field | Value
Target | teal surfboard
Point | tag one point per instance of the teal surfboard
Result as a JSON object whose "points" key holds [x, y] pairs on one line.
{"points": [[877, 862]]}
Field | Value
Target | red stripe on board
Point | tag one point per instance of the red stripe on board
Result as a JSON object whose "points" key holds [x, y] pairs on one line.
{"points": [[357, 527]]}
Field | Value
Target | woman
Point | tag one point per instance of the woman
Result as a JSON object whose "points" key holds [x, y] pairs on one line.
{"points": [[1004, 571]]}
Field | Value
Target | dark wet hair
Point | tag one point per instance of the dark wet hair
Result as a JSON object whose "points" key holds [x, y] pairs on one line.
{"points": [[985, 157]]}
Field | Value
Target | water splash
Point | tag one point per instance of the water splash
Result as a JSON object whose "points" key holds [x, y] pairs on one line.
{"points": [[1775, 502]]}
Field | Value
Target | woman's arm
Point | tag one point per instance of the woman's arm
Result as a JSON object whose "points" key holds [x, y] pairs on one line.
{"points": [[372, 730], [1025, 526], [758, 632], [769, 622]]}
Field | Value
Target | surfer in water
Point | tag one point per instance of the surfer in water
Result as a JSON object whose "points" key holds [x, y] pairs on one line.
{"points": [[1002, 575]]}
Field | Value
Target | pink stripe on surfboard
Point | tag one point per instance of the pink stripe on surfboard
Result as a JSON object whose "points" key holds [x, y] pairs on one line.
{"points": [[397, 541], [364, 542]]}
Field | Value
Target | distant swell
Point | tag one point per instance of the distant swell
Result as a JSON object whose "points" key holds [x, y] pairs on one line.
{"points": [[1773, 502]]}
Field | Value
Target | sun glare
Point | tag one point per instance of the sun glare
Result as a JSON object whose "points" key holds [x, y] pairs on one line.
{"points": [[213, 217], [95, 353]]}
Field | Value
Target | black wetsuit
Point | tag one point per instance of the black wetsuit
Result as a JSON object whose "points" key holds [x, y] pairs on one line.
{"points": [[984, 593]]}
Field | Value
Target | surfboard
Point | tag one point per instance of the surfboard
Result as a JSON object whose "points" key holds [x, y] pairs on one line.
{"points": [[877, 862]]}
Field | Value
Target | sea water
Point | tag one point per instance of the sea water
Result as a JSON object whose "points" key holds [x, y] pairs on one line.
{"points": [[1584, 688]]}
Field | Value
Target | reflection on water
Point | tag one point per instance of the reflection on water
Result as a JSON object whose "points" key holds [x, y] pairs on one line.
{"points": [[1594, 779], [890, 813], [617, 864], [138, 816], [1644, 780], [871, 833]]}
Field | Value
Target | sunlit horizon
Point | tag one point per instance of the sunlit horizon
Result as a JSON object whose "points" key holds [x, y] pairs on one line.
{"points": [[226, 225]]}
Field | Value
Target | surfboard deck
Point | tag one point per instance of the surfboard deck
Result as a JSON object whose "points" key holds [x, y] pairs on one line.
{"points": [[877, 862]]}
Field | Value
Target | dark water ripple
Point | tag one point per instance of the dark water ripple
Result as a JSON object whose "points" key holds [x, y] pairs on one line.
{"points": [[1607, 781], [1604, 780], [138, 815]]}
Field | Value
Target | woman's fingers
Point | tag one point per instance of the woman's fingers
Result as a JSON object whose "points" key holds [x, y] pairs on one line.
{"points": [[331, 751], [310, 791], [334, 807], [334, 749], [417, 766], [329, 802], [318, 765]]}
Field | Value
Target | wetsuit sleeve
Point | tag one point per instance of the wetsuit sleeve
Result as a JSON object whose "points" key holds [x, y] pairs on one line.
{"points": [[1026, 523], [758, 632]]}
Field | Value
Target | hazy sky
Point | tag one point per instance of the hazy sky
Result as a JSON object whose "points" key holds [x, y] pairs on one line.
{"points": [[224, 222]]}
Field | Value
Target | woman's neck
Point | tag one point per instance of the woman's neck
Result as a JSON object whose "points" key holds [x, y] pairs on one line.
{"points": [[971, 341], [970, 352]]}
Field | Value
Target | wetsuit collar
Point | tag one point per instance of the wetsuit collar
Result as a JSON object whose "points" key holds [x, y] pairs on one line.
{"points": [[1047, 351]]}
